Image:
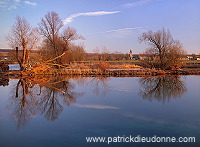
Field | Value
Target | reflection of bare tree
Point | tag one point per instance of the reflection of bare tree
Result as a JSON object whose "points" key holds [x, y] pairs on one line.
{"points": [[46, 95], [98, 84], [53, 93], [162, 88], [103, 81], [49, 105], [22, 107]]}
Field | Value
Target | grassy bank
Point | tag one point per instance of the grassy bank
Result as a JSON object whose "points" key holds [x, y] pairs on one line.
{"points": [[117, 68], [93, 72], [185, 63]]}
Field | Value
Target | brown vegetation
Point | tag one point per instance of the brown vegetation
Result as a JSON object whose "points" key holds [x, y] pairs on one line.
{"points": [[164, 51], [4, 66]]}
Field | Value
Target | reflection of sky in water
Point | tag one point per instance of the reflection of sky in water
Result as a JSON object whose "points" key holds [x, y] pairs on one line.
{"points": [[104, 107], [96, 106], [14, 67]]}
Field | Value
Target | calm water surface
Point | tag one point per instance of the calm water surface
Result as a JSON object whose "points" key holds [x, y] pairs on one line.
{"points": [[63, 111]]}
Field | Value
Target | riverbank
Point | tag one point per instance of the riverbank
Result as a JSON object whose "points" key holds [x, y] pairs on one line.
{"points": [[95, 72]]}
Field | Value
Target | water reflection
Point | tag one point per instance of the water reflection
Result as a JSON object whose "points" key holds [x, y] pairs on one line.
{"points": [[162, 88], [100, 85], [49, 95], [57, 90], [41, 95]]}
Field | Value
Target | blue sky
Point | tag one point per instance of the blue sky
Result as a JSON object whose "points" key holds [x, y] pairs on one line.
{"points": [[113, 24]]}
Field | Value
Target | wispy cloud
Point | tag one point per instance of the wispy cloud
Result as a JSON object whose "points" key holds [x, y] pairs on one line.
{"points": [[16, 1], [2, 2], [14, 4], [97, 13], [137, 3], [30, 3], [124, 32], [12, 7], [124, 29], [96, 106], [8, 5]]}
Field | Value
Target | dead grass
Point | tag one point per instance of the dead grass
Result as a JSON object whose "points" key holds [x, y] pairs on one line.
{"points": [[103, 65], [124, 66]]}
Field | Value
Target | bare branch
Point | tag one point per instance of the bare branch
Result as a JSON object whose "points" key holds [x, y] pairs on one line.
{"points": [[23, 37], [166, 51]]}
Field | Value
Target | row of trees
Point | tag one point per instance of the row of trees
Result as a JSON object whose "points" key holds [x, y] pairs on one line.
{"points": [[164, 51], [103, 54], [56, 42]]}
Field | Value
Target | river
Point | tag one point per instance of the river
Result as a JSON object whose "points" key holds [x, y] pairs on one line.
{"points": [[64, 111]]}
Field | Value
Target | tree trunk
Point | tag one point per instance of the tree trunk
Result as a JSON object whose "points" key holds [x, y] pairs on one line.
{"points": [[18, 60]]}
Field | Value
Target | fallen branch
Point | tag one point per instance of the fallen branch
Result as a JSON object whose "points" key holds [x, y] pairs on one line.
{"points": [[55, 58]]}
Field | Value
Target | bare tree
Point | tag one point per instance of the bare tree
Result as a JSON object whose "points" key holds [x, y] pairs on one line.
{"points": [[24, 38], [97, 55], [70, 34], [105, 54], [102, 53], [55, 42], [117, 56], [49, 27], [78, 52], [164, 51]]}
